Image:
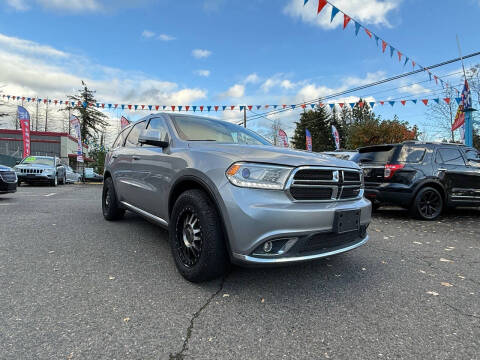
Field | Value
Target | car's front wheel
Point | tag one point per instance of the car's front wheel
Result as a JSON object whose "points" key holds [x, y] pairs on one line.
{"points": [[54, 182], [196, 237], [428, 204], [111, 210]]}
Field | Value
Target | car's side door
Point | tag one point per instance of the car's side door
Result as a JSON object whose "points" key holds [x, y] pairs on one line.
{"points": [[473, 163], [454, 174], [118, 161]]}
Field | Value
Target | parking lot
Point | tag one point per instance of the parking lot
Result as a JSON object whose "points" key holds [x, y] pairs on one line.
{"points": [[74, 286]]}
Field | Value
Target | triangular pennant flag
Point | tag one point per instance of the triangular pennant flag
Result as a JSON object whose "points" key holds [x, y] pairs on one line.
{"points": [[156, 107], [313, 105], [321, 5], [98, 105], [232, 107], [136, 106], [129, 107], [224, 107], [194, 108], [382, 102], [61, 102], [368, 33], [250, 107], [331, 106], [334, 12], [352, 105], [209, 108], [84, 104], [180, 108], [414, 101], [241, 108], [392, 103], [447, 100], [406, 60], [150, 107], [258, 107], [275, 106], [437, 100], [305, 2], [357, 28], [143, 107], [425, 101], [303, 106], [284, 106], [216, 107], [164, 107], [384, 45], [399, 55], [28, 100], [436, 79], [201, 108], [346, 20], [372, 104], [267, 106], [341, 105], [292, 106], [360, 104], [392, 50], [55, 102], [187, 107], [376, 39], [403, 102], [459, 99], [413, 64]]}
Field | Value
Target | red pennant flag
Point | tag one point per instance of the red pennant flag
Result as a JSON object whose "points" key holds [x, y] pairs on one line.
{"points": [[13, 97], [103, 106], [143, 107], [413, 64], [55, 102], [403, 102], [303, 106], [321, 5], [284, 106], [23, 98], [44, 101], [187, 107], [382, 102], [115, 106], [201, 108], [79, 103], [232, 107], [216, 107], [368, 33], [425, 101], [173, 107], [156, 107], [436, 79], [447, 100], [346, 20], [250, 107], [399, 56], [33, 99], [341, 105], [321, 104], [360, 104], [384, 45], [266, 106], [129, 107]]}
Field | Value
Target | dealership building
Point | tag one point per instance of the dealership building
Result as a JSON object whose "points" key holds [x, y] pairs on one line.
{"points": [[62, 145]]}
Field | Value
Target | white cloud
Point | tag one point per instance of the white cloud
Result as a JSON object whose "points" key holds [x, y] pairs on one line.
{"points": [[71, 5], [277, 80], [20, 5], [251, 79], [414, 89], [365, 11], [148, 34], [236, 91], [204, 73], [29, 47], [201, 53], [353, 81], [165, 37]]}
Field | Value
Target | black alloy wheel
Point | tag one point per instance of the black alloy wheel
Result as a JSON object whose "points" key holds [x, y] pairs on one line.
{"points": [[428, 204], [189, 237], [110, 209]]}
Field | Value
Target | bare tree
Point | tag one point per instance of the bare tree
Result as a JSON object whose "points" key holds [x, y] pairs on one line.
{"points": [[441, 116], [272, 134]]}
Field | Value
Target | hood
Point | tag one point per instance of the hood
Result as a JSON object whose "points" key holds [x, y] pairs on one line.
{"points": [[271, 155], [33, 166], [5, 168]]}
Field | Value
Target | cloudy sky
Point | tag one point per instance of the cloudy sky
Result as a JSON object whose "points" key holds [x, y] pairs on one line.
{"points": [[229, 52]]}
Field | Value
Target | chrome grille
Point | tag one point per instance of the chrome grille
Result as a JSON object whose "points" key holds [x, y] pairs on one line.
{"points": [[31, 171], [324, 184], [8, 176]]}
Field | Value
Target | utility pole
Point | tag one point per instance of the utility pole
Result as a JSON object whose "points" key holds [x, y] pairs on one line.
{"points": [[36, 121], [46, 115], [245, 116], [69, 115]]}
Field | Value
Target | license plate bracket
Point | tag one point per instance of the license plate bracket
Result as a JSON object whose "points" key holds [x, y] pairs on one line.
{"points": [[346, 221]]}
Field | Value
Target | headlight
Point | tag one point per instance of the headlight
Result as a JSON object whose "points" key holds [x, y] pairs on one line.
{"points": [[48, 171], [258, 176]]}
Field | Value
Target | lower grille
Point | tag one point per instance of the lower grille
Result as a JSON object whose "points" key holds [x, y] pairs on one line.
{"points": [[8, 176], [324, 242], [350, 193], [309, 193]]}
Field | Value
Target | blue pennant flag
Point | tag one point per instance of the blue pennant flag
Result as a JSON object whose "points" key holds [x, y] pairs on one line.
{"points": [[372, 104], [414, 101], [61, 102], [150, 107], [357, 28], [430, 74], [406, 60], [135, 106], [180, 108], [275, 106], [241, 108], [39, 100], [334, 12], [49, 101], [459, 99], [28, 99], [164, 107], [73, 104], [194, 107], [224, 107], [109, 106], [352, 105], [392, 50], [391, 103], [84, 104], [437, 101], [258, 107], [305, 2], [209, 108], [293, 106], [98, 105], [312, 106], [123, 106], [331, 106], [376, 39]]}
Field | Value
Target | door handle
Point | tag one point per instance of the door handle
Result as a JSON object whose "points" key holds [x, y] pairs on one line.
{"points": [[442, 169], [134, 157]]}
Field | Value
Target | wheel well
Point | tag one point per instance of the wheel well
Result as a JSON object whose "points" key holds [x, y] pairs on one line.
{"points": [[107, 175], [437, 187]]}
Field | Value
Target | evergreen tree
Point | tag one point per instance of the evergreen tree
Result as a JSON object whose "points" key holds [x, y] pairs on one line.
{"points": [[318, 123], [92, 120]]}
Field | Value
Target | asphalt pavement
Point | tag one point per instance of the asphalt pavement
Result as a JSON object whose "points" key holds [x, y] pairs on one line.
{"points": [[74, 286]]}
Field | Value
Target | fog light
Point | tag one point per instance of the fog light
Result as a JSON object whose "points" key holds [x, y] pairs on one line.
{"points": [[267, 247]]}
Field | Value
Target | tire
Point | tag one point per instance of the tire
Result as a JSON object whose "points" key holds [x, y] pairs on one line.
{"points": [[428, 204], [110, 209], [196, 238], [54, 182]]}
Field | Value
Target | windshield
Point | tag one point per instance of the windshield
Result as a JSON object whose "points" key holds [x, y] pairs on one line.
{"points": [[204, 129], [38, 160], [374, 154]]}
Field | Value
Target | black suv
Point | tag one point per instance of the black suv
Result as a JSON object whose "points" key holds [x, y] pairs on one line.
{"points": [[423, 177]]}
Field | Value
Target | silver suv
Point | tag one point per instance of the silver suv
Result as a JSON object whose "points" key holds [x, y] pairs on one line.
{"points": [[45, 169], [227, 195]]}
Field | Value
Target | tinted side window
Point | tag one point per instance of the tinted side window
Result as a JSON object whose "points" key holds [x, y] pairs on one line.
{"points": [[120, 139], [450, 157], [132, 138], [411, 154]]}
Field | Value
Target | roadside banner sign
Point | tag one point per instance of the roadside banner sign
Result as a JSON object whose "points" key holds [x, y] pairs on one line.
{"points": [[124, 122], [336, 137], [24, 119], [308, 140], [283, 138], [75, 123]]}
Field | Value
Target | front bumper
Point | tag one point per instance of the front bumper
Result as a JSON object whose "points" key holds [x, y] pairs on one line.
{"points": [[389, 193], [6, 187], [254, 216], [35, 177]]}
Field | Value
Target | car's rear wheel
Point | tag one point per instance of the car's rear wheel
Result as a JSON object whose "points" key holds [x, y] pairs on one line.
{"points": [[428, 204], [111, 210], [196, 238]]}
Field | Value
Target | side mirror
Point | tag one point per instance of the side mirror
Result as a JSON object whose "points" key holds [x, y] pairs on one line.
{"points": [[154, 138]]}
